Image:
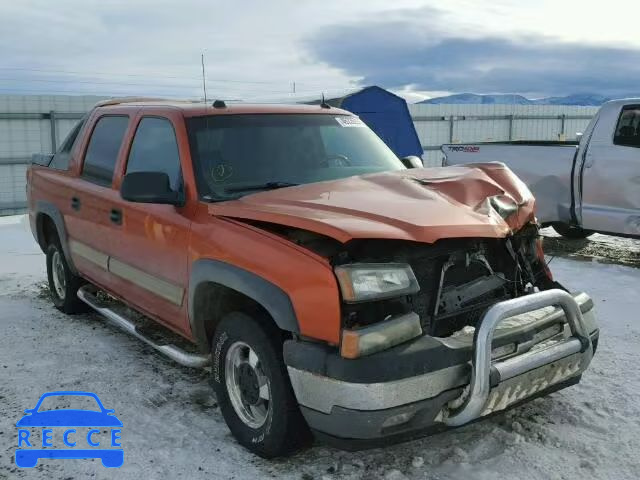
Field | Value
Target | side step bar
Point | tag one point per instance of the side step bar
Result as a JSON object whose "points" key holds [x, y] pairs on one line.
{"points": [[178, 355], [481, 364]]}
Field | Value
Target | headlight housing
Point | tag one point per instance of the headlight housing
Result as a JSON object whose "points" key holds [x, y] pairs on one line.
{"points": [[362, 282]]}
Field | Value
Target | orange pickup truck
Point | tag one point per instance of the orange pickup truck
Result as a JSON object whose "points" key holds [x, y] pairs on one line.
{"points": [[332, 288]]}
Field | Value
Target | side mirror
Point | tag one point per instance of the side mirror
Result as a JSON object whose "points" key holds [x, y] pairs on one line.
{"points": [[412, 162], [150, 187]]}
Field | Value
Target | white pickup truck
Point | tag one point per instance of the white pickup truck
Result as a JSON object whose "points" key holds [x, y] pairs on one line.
{"points": [[580, 189]]}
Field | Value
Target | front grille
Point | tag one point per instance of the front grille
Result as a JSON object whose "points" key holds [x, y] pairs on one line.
{"points": [[446, 300]]}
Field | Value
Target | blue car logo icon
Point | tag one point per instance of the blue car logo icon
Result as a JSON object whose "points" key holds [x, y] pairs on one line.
{"points": [[69, 418]]}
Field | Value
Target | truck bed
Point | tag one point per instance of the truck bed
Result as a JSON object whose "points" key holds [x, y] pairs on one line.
{"points": [[544, 166]]}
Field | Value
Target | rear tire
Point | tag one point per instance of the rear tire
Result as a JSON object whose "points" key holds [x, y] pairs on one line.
{"points": [[63, 284], [571, 232], [253, 388]]}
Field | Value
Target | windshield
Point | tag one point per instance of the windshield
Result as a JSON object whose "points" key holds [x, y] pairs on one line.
{"points": [[236, 155]]}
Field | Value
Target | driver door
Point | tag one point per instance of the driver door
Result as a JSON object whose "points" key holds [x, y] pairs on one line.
{"points": [[151, 263]]}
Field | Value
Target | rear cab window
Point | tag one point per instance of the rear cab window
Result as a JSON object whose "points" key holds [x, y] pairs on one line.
{"points": [[62, 157], [155, 149], [104, 146], [628, 127]]}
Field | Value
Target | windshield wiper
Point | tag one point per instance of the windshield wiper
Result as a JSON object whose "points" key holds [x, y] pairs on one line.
{"points": [[261, 186]]}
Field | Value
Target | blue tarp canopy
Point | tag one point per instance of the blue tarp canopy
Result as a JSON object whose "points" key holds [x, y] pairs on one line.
{"points": [[386, 114]]}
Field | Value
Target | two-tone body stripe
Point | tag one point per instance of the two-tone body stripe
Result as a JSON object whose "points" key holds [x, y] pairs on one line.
{"points": [[88, 253], [158, 286]]}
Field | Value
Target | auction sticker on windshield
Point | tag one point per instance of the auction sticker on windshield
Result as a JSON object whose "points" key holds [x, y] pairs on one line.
{"points": [[69, 425], [346, 121]]}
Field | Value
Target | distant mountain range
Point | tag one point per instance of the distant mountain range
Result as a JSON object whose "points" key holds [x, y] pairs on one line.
{"points": [[503, 99]]}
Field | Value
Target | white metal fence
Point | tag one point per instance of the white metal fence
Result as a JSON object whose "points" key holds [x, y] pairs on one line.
{"points": [[38, 123], [440, 124]]}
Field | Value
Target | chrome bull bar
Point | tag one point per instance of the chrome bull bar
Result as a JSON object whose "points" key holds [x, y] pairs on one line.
{"points": [[480, 385]]}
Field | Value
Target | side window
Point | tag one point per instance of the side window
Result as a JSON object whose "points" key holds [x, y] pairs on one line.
{"points": [[102, 152], [63, 155], [155, 149], [628, 128]]}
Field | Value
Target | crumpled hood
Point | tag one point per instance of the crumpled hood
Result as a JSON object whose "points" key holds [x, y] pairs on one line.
{"points": [[425, 204]]}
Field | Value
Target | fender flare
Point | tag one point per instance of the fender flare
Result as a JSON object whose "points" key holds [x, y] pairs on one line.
{"points": [[271, 297], [50, 210]]}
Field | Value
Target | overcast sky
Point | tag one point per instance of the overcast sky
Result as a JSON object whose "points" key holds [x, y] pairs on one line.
{"points": [[257, 49]]}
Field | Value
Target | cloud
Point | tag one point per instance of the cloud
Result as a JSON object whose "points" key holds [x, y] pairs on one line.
{"points": [[153, 47], [425, 49], [257, 49]]}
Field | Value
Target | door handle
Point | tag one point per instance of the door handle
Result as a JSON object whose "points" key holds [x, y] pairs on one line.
{"points": [[116, 216], [75, 203], [588, 160]]}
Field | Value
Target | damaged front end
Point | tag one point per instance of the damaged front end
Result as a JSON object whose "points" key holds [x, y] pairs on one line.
{"points": [[448, 309], [437, 335], [459, 279]]}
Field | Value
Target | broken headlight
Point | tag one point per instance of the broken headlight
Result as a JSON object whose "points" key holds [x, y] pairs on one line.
{"points": [[361, 282]]}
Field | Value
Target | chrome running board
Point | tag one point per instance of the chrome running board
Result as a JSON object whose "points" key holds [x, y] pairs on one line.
{"points": [[175, 353]]}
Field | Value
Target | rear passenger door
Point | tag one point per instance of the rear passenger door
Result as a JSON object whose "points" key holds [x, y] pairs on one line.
{"points": [[92, 232], [151, 262]]}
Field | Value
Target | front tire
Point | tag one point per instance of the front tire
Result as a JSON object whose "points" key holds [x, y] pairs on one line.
{"points": [[252, 386], [571, 232], [63, 284]]}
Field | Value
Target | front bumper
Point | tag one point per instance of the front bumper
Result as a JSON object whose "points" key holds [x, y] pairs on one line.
{"points": [[430, 384]]}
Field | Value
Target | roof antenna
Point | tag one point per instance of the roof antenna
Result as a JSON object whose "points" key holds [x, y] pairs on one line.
{"points": [[204, 81], [324, 104]]}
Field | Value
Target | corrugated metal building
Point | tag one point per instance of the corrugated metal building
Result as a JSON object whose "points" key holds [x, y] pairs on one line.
{"points": [[27, 125]]}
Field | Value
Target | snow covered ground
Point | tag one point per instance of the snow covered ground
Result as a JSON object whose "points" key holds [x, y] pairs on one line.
{"points": [[173, 428], [603, 248]]}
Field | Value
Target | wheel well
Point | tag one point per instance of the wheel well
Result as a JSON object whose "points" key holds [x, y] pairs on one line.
{"points": [[212, 302], [46, 229]]}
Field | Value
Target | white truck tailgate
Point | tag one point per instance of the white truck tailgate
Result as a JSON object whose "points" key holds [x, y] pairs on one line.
{"points": [[546, 169]]}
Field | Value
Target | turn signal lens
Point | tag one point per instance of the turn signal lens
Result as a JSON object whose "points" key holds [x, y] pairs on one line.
{"points": [[350, 347], [381, 336]]}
